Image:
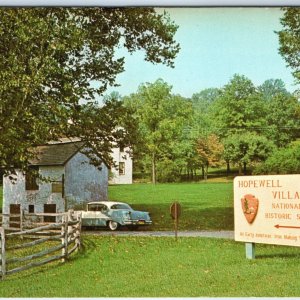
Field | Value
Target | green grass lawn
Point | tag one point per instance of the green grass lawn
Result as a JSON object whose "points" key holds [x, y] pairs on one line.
{"points": [[160, 267], [205, 206]]}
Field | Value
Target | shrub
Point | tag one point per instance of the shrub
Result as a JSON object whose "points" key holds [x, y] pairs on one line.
{"points": [[282, 161]]}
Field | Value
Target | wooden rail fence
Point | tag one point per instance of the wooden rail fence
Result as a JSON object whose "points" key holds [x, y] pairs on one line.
{"points": [[43, 242]]}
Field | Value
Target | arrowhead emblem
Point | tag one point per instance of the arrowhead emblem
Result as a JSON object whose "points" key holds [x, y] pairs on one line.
{"points": [[250, 207]]}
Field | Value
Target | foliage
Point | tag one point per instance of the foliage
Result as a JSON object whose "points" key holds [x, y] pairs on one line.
{"points": [[282, 112], [283, 119], [203, 103], [289, 39], [161, 117], [238, 108], [249, 121], [190, 267], [240, 113], [246, 148], [210, 151], [272, 87], [282, 161], [54, 59]]}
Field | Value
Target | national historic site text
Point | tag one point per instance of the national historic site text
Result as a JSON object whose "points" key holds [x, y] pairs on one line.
{"points": [[267, 209]]}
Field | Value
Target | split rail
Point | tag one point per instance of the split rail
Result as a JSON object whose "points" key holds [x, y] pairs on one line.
{"points": [[27, 242]]}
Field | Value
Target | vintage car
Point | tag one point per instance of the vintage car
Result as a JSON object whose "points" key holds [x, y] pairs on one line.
{"points": [[113, 215]]}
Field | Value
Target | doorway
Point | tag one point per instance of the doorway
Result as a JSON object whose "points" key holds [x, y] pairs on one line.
{"points": [[49, 208], [14, 221]]}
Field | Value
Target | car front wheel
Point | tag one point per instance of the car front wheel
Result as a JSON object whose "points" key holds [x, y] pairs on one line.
{"points": [[112, 225]]}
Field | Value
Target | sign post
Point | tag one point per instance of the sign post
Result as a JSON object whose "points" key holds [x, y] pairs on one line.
{"points": [[267, 210], [250, 250], [175, 211]]}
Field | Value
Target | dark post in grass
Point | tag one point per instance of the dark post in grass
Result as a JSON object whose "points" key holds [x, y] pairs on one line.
{"points": [[175, 211]]}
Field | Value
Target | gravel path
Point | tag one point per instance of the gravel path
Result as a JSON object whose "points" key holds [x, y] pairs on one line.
{"points": [[210, 234]]}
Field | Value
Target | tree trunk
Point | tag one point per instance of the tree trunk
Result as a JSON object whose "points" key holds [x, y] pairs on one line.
{"points": [[240, 169], [153, 168], [245, 169], [228, 168], [203, 172]]}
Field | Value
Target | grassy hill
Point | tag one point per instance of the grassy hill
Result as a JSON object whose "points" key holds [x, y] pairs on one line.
{"points": [[205, 206]]}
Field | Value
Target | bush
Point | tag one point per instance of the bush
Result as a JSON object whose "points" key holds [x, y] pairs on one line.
{"points": [[282, 161], [167, 171]]}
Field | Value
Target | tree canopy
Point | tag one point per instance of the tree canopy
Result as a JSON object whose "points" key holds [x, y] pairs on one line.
{"points": [[239, 107], [289, 39], [161, 117], [55, 61]]}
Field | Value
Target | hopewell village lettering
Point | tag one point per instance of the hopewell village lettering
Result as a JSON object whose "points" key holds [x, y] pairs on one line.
{"points": [[267, 209]]}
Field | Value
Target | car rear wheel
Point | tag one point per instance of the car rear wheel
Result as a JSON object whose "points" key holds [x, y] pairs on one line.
{"points": [[112, 225]]}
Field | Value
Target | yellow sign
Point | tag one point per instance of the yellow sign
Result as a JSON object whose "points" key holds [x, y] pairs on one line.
{"points": [[267, 209]]}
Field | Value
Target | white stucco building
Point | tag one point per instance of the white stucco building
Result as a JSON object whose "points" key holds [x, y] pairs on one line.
{"points": [[71, 181], [123, 173]]}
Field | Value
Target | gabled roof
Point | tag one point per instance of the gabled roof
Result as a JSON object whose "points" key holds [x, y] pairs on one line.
{"points": [[55, 154]]}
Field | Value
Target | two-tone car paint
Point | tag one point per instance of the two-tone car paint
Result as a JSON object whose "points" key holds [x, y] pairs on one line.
{"points": [[114, 214]]}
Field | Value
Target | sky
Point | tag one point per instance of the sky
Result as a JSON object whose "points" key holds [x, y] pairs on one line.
{"points": [[216, 43]]}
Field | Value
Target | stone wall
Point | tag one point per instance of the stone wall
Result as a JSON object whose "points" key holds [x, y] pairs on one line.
{"points": [[14, 191], [84, 182]]}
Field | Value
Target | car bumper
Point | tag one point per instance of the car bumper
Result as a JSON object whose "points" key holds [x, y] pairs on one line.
{"points": [[137, 222]]}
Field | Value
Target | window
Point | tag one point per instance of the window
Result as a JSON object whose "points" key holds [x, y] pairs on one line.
{"points": [[49, 208], [31, 177], [31, 208], [121, 206], [97, 207], [57, 187], [121, 168]]}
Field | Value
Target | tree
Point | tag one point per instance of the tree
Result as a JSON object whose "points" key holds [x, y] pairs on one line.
{"points": [[282, 112], [210, 150], [289, 39], [203, 103], [240, 116], [282, 161], [204, 99], [283, 119], [239, 108], [53, 59], [272, 87], [161, 117], [246, 148]]}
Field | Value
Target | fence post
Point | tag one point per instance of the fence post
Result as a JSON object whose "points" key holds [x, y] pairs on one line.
{"points": [[78, 231], [21, 222], [2, 253], [64, 239], [70, 228]]}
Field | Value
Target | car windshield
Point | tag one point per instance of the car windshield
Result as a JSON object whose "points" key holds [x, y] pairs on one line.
{"points": [[121, 206]]}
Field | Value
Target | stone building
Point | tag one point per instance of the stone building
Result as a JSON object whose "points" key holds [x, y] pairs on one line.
{"points": [[70, 181]]}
